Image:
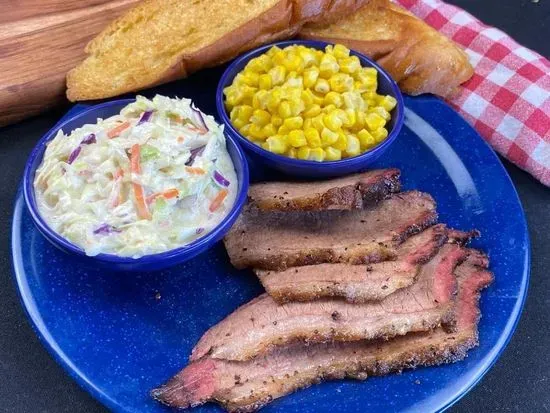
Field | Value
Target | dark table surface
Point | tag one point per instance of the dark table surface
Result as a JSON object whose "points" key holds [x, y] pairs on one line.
{"points": [[30, 380]]}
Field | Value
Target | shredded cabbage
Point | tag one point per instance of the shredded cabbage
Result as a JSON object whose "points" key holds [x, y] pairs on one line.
{"points": [[91, 198]]}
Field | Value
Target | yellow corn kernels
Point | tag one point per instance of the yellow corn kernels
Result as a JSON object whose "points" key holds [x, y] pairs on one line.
{"points": [[388, 102], [278, 75], [303, 153], [245, 112], [350, 119], [332, 154], [333, 98], [234, 113], [260, 117], [350, 65], [251, 79], [329, 66], [374, 121], [340, 51], [318, 123], [328, 137], [283, 130], [360, 120], [273, 100], [264, 82], [308, 56], [333, 121], [341, 82], [269, 130], [259, 101], [317, 154], [293, 62], [256, 132], [309, 104], [365, 139], [297, 138], [238, 123], [295, 82], [233, 96], [273, 51], [295, 122], [360, 87], [379, 110], [322, 86], [275, 144], [379, 134], [307, 98], [313, 137], [310, 75], [313, 110], [245, 130], [353, 100], [278, 57], [296, 107], [284, 110], [328, 108], [342, 141], [292, 153], [369, 83], [276, 121], [261, 64], [353, 146]]}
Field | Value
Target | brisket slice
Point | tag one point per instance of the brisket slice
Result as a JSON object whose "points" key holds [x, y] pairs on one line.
{"points": [[249, 385], [258, 326], [462, 237], [355, 283], [278, 240], [350, 192]]}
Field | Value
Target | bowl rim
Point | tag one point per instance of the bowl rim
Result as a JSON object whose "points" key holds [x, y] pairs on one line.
{"points": [[193, 247], [381, 147]]}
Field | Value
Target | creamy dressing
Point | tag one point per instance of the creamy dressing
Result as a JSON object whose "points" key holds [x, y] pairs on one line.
{"points": [[153, 178]]}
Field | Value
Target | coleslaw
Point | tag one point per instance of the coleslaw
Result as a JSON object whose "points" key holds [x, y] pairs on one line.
{"points": [[153, 178]]}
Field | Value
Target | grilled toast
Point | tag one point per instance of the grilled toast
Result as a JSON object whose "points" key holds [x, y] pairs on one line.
{"points": [[162, 40], [420, 59]]}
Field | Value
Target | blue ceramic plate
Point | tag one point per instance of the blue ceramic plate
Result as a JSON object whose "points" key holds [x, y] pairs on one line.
{"points": [[121, 334]]}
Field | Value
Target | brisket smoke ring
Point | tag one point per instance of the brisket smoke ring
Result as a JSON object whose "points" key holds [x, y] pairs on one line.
{"points": [[248, 385], [355, 283], [262, 324], [347, 264]]}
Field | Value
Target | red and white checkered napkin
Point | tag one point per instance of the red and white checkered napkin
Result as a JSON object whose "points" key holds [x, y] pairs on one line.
{"points": [[508, 99]]}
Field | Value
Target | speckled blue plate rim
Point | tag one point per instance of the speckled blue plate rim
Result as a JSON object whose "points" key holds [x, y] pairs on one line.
{"points": [[49, 342], [515, 317], [27, 300], [37, 324]]}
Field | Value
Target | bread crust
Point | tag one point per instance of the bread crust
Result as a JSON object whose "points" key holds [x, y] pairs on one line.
{"points": [[420, 59], [92, 79]]}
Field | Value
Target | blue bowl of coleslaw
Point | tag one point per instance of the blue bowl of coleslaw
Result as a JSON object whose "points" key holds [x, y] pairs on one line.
{"points": [[112, 261]]}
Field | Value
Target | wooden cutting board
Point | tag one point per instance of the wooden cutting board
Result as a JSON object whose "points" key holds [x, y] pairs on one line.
{"points": [[40, 41]]}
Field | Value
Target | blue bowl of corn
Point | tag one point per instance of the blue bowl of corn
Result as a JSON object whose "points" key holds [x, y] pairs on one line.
{"points": [[310, 109]]}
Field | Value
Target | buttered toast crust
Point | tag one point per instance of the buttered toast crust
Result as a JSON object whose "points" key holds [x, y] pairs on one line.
{"points": [[419, 58], [162, 40]]}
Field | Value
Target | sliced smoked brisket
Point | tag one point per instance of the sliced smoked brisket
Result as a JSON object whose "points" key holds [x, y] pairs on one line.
{"points": [[355, 283], [350, 192], [243, 386], [275, 241], [258, 326]]}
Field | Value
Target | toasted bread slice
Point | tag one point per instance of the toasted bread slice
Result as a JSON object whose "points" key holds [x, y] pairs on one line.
{"points": [[419, 58], [162, 40]]}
